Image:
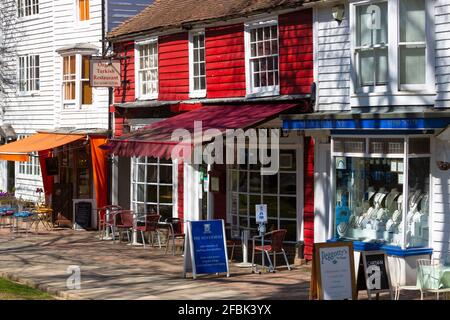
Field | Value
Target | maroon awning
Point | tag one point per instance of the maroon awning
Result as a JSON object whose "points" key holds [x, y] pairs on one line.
{"points": [[155, 140]]}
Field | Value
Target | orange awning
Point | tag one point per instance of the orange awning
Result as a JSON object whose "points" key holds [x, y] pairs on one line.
{"points": [[20, 149]]}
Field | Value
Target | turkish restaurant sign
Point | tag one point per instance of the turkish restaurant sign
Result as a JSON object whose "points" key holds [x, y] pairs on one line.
{"points": [[105, 73]]}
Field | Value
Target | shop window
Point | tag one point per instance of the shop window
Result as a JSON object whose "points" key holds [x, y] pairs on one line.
{"points": [[370, 194], [76, 87], [262, 58], [197, 64], [419, 146], [279, 192], [147, 69], [349, 145], [152, 186]]}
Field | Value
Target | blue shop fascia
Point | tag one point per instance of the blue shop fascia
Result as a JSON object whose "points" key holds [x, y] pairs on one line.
{"points": [[379, 177]]}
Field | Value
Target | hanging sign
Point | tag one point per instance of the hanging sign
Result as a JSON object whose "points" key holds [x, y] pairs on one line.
{"points": [[261, 213], [206, 250], [333, 272], [105, 73], [376, 278]]}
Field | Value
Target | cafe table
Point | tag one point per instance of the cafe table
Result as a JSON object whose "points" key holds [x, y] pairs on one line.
{"points": [[245, 235], [434, 278]]}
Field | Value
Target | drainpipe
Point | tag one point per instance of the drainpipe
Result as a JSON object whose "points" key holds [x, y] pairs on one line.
{"points": [[110, 102]]}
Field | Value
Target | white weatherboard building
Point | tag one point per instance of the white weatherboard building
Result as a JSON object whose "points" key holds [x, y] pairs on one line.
{"points": [[49, 35], [381, 127]]}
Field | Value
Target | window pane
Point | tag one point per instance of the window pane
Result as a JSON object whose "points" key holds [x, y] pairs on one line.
{"points": [[270, 184], [272, 206], [288, 183], [85, 70], [87, 93], [412, 65], [152, 174], [243, 181], [255, 182], [165, 194], [366, 66], [372, 25], [152, 193], [165, 174], [140, 193], [165, 212], [288, 207], [412, 20], [382, 66], [291, 227]]}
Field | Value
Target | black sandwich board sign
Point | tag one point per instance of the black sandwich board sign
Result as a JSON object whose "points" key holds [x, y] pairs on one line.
{"points": [[373, 273], [205, 248], [83, 215]]}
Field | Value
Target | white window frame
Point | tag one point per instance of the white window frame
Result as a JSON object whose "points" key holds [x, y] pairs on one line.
{"points": [[23, 4], [29, 71], [405, 156], [380, 94], [298, 149], [174, 185], [32, 165], [75, 104], [262, 91], [138, 94], [192, 92]]}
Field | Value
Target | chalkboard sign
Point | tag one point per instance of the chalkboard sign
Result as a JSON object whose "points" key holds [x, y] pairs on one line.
{"points": [[205, 249], [51, 164], [83, 215], [333, 272], [376, 272]]}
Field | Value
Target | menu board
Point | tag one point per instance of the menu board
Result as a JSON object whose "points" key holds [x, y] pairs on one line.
{"points": [[333, 276], [83, 214], [206, 248]]}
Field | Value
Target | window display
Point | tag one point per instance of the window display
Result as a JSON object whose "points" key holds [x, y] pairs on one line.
{"points": [[369, 192]]}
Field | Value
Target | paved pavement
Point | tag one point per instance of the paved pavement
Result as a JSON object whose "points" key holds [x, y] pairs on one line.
{"points": [[118, 271]]}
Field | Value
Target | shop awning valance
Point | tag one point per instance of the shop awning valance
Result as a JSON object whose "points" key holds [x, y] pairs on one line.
{"points": [[21, 149], [155, 140]]}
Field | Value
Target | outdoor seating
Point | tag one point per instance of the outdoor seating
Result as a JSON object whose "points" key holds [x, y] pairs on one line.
{"points": [[106, 220], [231, 241], [124, 222], [6, 216], [433, 277], [171, 227], [274, 246], [398, 288], [26, 217], [44, 216], [151, 226]]}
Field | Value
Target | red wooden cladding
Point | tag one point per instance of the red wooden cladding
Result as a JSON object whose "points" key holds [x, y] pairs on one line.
{"points": [[173, 67], [125, 52], [296, 52], [225, 61], [308, 210]]}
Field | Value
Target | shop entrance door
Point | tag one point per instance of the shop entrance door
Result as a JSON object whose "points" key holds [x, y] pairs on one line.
{"points": [[62, 204], [203, 192]]}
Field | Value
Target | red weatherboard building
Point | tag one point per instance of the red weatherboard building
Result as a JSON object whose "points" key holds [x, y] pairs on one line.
{"points": [[233, 65]]}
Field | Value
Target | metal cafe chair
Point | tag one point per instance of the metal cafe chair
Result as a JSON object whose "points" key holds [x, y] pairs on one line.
{"points": [[124, 222], [172, 229], [274, 246], [152, 228], [106, 220], [398, 288], [430, 278]]}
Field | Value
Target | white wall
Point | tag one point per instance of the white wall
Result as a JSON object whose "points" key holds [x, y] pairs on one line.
{"points": [[440, 209]]}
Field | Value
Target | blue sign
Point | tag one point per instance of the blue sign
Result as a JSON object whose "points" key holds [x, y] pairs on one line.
{"points": [[208, 246]]}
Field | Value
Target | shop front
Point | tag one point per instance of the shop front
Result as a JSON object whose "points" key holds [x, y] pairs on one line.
{"points": [[187, 189], [74, 173], [385, 186]]}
